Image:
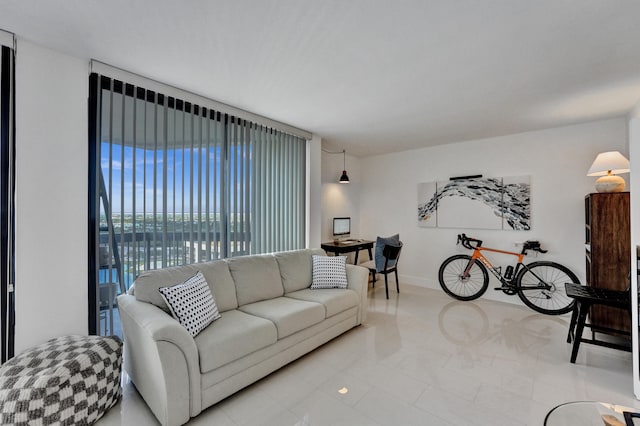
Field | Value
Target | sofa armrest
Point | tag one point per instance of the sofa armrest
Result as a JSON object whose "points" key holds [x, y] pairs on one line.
{"points": [[358, 280], [161, 358]]}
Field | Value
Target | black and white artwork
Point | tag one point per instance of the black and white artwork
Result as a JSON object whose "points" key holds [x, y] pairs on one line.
{"points": [[478, 203], [427, 210]]}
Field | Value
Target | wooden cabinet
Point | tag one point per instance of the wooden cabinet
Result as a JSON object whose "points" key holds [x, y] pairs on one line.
{"points": [[608, 252]]}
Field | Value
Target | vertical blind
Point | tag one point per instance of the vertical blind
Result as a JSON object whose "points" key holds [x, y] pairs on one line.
{"points": [[267, 181], [7, 190], [176, 183], [278, 199]]}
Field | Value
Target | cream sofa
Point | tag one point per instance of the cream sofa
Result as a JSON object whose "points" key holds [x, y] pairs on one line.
{"points": [[269, 317]]}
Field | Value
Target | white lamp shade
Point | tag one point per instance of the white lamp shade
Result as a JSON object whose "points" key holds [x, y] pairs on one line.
{"points": [[611, 162]]}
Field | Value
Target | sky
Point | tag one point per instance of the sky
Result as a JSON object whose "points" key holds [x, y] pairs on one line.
{"points": [[129, 165]]}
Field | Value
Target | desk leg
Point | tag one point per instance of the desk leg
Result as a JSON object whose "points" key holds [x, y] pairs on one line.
{"points": [[370, 255], [355, 259]]}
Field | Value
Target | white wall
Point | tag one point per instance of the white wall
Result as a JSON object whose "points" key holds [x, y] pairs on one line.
{"points": [[556, 159], [314, 188], [51, 194], [340, 199]]}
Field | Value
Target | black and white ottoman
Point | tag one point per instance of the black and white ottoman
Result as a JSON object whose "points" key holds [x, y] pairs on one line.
{"points": [[70, 380]]}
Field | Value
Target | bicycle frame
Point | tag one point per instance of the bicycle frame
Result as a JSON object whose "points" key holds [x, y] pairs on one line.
{"points": [[478, 256]]}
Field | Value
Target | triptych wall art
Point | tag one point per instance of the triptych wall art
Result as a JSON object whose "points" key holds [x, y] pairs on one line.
{"points": [[476, 203]]}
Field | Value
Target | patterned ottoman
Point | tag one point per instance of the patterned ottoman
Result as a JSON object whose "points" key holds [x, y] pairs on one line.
{"points": [[71, 380]]}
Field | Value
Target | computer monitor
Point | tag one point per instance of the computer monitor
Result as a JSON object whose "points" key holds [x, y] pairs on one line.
{"points": [[341, 226]]}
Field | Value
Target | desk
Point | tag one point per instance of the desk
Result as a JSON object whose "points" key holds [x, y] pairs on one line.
{"points": [[348, 246]]}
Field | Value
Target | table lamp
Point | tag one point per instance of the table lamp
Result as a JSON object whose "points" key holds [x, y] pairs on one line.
{"points": [[607, 165]]}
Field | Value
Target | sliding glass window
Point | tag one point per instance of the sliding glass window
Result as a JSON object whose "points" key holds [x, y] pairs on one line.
{"points": [[7, 186], [174, 183]]}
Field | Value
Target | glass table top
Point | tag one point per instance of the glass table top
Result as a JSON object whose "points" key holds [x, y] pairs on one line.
{"points": [[587, 413]]}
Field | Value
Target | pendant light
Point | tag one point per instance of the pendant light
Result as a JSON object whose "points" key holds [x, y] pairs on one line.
{"points": [[344, 178]]}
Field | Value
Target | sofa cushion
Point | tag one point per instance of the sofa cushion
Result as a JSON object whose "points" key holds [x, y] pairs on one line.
{"points": [[221, 283], [216, 273], [289, 315], [334, 300], [295, 268], [256, 278], [191, 303], [234, 335], [329, 272]]}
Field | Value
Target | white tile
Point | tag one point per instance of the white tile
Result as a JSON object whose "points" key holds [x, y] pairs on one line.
{"points": [[346, 349], [321, 409], [212, 415], [277, 417], [552, 396], [391, 380], [423, 358], [460, 412], [261, 405], [498, 400], [386, 409], [346, 388], [285, 387], [311, 369], [459, 383]]}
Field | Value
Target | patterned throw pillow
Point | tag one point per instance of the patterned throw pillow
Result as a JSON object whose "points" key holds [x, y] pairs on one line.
{"points": [[329, 272], [191, 303]]}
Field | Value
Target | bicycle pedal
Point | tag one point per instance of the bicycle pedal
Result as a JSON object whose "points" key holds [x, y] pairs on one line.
{"points": [[500, 288]]}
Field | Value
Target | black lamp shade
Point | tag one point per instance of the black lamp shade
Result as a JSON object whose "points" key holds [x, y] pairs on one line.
{"points": [[344, 178]]}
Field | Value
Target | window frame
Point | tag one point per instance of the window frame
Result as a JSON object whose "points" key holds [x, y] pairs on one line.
{"points": [[7, 201], [232, 124]]}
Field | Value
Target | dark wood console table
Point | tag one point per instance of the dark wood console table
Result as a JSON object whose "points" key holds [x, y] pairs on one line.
{"points": [[348, 246]]}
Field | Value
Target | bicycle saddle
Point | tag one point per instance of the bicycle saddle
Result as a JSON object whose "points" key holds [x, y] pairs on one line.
{"points": [[533, 245]]}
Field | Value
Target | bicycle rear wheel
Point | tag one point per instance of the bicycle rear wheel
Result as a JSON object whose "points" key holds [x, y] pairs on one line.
{"points": [[456, 285], [540, 286]]}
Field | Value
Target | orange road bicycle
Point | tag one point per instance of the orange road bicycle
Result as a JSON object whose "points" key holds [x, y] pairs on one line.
{"points": [[540, 285]]}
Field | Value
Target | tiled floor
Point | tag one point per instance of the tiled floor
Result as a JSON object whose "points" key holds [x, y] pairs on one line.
{"points": [[424, 359]]}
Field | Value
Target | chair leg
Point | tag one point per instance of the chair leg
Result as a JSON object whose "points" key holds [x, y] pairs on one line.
{"points": [[373, 284], [397, 285], [582, 317], [572, 324], [386, 284]]}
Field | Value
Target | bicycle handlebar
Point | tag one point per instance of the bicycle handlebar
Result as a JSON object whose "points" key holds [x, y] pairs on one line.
{"points": [[468, 241]]}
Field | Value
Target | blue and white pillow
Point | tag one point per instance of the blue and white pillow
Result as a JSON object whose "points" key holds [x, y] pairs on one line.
{"points": [[381, 242], [191, 303], [329, 272]]}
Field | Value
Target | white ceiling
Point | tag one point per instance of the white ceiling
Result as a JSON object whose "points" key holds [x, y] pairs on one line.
{"points": [[371, 76]]}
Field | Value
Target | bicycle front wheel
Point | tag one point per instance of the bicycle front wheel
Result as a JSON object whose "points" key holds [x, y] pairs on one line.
{"points": [[454, 282], [540, 286]]}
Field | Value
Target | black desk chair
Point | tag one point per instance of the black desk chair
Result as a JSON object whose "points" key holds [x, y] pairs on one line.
{"points": [[391, 257], [586, 297]]}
